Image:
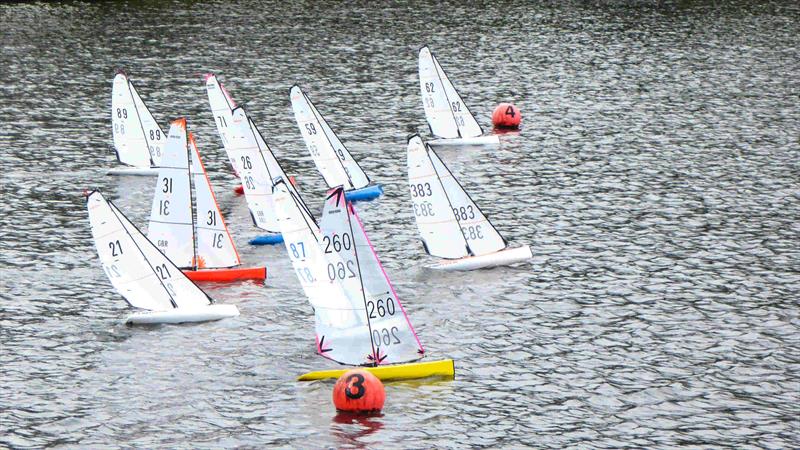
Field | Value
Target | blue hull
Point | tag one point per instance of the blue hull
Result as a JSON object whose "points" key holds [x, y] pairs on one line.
{"points": [[370, 192], [267, 239]]}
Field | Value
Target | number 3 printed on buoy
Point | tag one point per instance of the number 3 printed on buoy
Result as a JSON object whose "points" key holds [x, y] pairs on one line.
{"points": [[358, 390]]}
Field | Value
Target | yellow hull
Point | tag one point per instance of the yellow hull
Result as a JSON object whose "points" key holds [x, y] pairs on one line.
{"points": [[411, 371]]}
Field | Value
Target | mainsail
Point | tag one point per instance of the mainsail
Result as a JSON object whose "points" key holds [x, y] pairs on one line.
{"points": [[138, 140], [331, 157], [445, 110], [136, 268], [189, 230]]}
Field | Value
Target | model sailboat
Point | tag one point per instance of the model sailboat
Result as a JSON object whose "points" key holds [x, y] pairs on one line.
{"points": [[450, 224], [191, 231], [331, 157], [143, 275], [448, 116], [359, 318], [138, 140], [257, 167]]}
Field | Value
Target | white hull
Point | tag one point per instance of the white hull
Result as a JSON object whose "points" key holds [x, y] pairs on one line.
{"points": [[183, 315], [501, 258], [479, 140], [143, 171]]}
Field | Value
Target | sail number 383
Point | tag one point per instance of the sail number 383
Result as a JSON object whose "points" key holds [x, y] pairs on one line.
{"points": [[421, 190]]}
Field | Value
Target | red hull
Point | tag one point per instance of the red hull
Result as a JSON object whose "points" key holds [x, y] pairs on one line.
{"points": [[233, 274], [239, 190]]}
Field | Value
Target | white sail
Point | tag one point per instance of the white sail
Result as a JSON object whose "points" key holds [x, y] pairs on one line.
{"points": [[437, 225], [171, 226], [222, 105], [257, 167], [136, 269], [481, 236], [361, 274], [253, 171], [445, 110], [331, 157], [138, 140], [341, 326], [215, 247]]}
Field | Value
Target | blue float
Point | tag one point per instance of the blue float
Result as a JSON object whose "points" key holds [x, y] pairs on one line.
{"points": [[367, 193], [267, 239]]}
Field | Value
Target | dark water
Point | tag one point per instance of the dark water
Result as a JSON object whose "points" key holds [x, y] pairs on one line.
{"points": [[656, 178]]}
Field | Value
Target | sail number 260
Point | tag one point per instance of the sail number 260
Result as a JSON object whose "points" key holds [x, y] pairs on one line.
{"points": [[380, 307]]}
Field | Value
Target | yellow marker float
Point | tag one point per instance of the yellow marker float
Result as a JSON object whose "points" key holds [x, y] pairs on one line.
{"points": [[411, 371]]}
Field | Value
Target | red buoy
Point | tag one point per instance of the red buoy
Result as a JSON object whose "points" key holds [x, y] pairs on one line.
{"points": [[506, 115], [239, 190], [358, 390]]}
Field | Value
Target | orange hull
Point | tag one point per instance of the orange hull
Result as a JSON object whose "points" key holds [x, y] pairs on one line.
{"points": [[233, 274]]}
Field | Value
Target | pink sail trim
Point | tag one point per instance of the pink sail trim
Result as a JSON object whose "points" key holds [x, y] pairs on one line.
{"points": [[391, 286]]}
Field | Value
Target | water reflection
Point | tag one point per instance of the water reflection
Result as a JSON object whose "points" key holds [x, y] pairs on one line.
{"points": [[350, 428]]}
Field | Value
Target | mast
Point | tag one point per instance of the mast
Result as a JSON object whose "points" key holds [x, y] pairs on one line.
{"points": [[341, 197], [192, 206]]}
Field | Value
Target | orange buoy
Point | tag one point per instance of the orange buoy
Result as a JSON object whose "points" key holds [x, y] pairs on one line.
{"points": [[358, 390], [506, 115]]}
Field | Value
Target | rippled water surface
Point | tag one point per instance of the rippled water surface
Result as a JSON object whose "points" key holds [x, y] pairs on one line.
{"points": [[656, 179]]}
